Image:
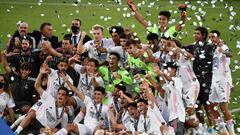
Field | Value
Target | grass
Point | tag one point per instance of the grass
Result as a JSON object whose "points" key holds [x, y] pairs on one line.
{"points": [[108, 13]]}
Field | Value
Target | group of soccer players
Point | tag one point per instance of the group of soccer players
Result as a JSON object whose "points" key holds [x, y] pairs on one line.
{"points": [[119, 85]]}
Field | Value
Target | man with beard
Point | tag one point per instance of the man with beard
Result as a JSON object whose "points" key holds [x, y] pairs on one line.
{"points": [[45, 34], [25, 55], [75, 36], [14, 44], [55, 80]]}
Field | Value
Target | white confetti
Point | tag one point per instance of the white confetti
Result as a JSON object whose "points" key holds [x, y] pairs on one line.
{"points": [[118, 9], [8, 10], [193, 8], [133, 26], [125, 9], [8, 35], [63, 25], [128, 15], [41, 14]]}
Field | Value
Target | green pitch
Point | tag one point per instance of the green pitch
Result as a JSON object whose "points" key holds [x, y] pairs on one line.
{"points": [[223, 16]]}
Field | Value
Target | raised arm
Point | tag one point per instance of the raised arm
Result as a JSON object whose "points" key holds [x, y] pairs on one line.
{"points": [[80, 48], [4, 62], [137, 15], [47, 46], [37, 85], [72, 87], [183, 16]]}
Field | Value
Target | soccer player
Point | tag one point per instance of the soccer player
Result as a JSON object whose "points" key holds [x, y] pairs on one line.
{"points": [[172, 91], [112, 74], [162, 28], [98, 47], [51, 111], [221, 83], [96, 111]]}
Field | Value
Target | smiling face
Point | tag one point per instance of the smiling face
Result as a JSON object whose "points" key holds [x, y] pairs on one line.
{"points": [[97, 96], [25, 73], [163, 21], [214, 38], [113, 61], [133, 112], [142, 108]]}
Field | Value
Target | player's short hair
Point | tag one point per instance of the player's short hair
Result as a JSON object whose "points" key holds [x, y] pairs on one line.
{"points": [[152, 36], [203, 31], [217, 32], [123, 35], [142, 100], [100, 89], [64, 89], [42, 26], [26, 66], [121, 87], [118, 29], [165, 13], [132, 104], [97, 26], [68, 38], [63, 59], [94, 61], [29, 39], [130, 42], [115, 54]]}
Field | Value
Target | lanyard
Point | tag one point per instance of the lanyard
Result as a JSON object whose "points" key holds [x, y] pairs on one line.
{"points": [[99, 53], [59, 80], [110, 78], [88, 84], [61, 115], [136, 124], [145, 124], [23, 60], [98, 112]]}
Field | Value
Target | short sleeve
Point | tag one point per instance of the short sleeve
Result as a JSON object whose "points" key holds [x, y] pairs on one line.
{"points": [[10, 103], [100, 81], [87, 100], [153, 29], [77, 68], [87, 45]]}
